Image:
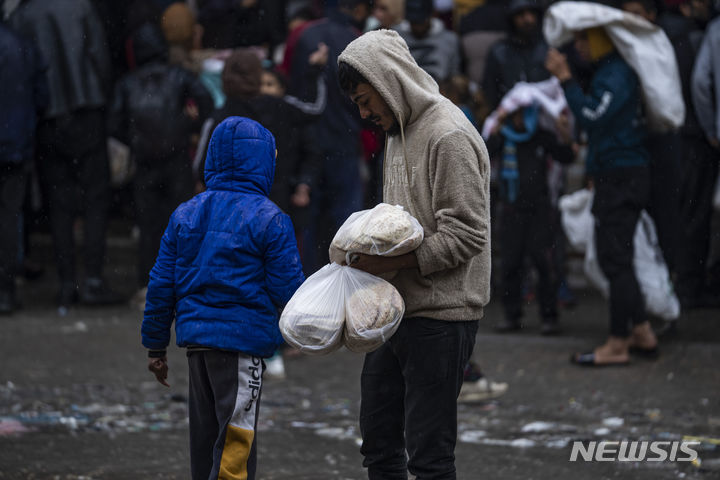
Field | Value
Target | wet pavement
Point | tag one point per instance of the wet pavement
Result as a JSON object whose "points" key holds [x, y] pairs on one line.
{"points": [[76, 400]]}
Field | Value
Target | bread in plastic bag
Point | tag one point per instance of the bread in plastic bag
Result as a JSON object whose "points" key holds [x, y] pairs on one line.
{"points": [[373, 312], [340, 302], [383, 230], [314, 318]]}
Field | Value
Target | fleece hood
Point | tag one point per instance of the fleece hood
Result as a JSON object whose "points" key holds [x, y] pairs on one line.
{"points": [[241, 157], [383, 58]]}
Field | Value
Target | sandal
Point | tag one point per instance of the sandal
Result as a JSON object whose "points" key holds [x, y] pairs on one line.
{"points": [[588, 360]]}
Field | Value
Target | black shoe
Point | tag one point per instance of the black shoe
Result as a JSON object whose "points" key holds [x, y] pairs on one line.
{"points": [[7, 303], [508, 325], [95, 291], [68, 295]]}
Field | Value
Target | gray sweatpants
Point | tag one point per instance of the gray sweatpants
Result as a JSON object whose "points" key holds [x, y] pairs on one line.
{"points": [[224, 400]]}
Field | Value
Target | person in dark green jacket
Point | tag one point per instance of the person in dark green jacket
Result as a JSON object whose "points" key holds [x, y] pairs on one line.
{"points": [[617, 163]]}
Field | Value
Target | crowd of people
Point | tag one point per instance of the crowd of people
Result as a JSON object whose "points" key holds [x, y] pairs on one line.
{"points": [[159, 75], [326, 108]]}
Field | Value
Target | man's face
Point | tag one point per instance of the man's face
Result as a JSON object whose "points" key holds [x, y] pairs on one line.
{"points": [[382, 13], [525, 23], [639, 9], [582, 46], [420, 29], [374, 108]]}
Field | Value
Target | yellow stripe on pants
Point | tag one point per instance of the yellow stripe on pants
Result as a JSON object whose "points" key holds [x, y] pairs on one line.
{"points": [[233, 464]]}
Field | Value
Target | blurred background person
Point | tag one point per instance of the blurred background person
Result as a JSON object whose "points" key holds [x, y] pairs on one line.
{"points": [[72, 154], [341, 187], [520, 56], [705, 88], [435, 48], [23, 99], [155, 110], [617, 162]]}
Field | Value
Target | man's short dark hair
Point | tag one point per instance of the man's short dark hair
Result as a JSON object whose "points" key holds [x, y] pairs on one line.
{"points": [[349, 78]]}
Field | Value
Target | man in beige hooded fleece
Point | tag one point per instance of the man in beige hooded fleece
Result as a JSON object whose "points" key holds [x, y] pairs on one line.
{"points": [[437, 168]]}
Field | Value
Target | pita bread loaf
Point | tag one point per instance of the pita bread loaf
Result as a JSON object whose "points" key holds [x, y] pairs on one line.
{"points": [[373, 314]]}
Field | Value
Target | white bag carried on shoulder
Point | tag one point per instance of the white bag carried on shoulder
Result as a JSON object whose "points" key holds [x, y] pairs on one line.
{"points": [[341, 303], [643, 45]]}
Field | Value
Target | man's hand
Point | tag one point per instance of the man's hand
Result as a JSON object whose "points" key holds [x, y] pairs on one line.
{"points": [[556, 64], [564, 128], [500, 121], [159, 367], [319, 57], [714, 142], [377, 265], [301, 197]]}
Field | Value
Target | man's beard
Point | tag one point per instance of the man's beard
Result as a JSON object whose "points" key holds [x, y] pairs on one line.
{"points": [[394, 129]]}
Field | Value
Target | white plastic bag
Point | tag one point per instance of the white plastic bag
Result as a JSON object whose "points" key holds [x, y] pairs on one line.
{"points": [[648, 262], [340, 302], [383, 230], [577, 219], [313, 319], [643, 45], [373, 312], [652, 273]]}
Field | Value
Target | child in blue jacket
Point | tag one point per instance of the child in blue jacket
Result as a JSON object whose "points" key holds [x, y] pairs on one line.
{"points": [[228, 262]]}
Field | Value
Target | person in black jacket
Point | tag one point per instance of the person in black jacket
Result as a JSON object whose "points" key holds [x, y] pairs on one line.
{"points": [[22, 99], [155, 110], [520, 57], [525, 148], [337, 131], [72, 154]]}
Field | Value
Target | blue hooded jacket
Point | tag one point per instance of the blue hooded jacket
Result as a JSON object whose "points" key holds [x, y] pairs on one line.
{"points": [[228, 259], [611, 114]]}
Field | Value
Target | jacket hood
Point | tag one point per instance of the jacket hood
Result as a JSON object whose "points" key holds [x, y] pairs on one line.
{"points": [[149, 44], [383, 58], [241, 157]]}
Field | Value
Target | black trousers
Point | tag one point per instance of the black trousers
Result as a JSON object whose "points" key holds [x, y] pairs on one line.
{"points": [[409, 390], [74, 176], [12, 196], [528, 233], [159, 187], [224, 401], [699, 174], [665, 179], [620, 196]]}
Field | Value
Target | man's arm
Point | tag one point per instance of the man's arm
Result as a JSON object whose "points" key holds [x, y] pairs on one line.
{"points": [[460, 179]]}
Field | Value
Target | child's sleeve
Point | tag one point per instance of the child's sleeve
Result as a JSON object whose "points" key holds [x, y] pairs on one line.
{"points": [[160, 298], [283, 270]]}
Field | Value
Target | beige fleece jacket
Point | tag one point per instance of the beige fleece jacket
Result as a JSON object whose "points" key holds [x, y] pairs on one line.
{"points": [[438, 170]]}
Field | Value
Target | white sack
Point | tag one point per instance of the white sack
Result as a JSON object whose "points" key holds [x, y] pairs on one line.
{"points": [[650, 268], [644, 46]]}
